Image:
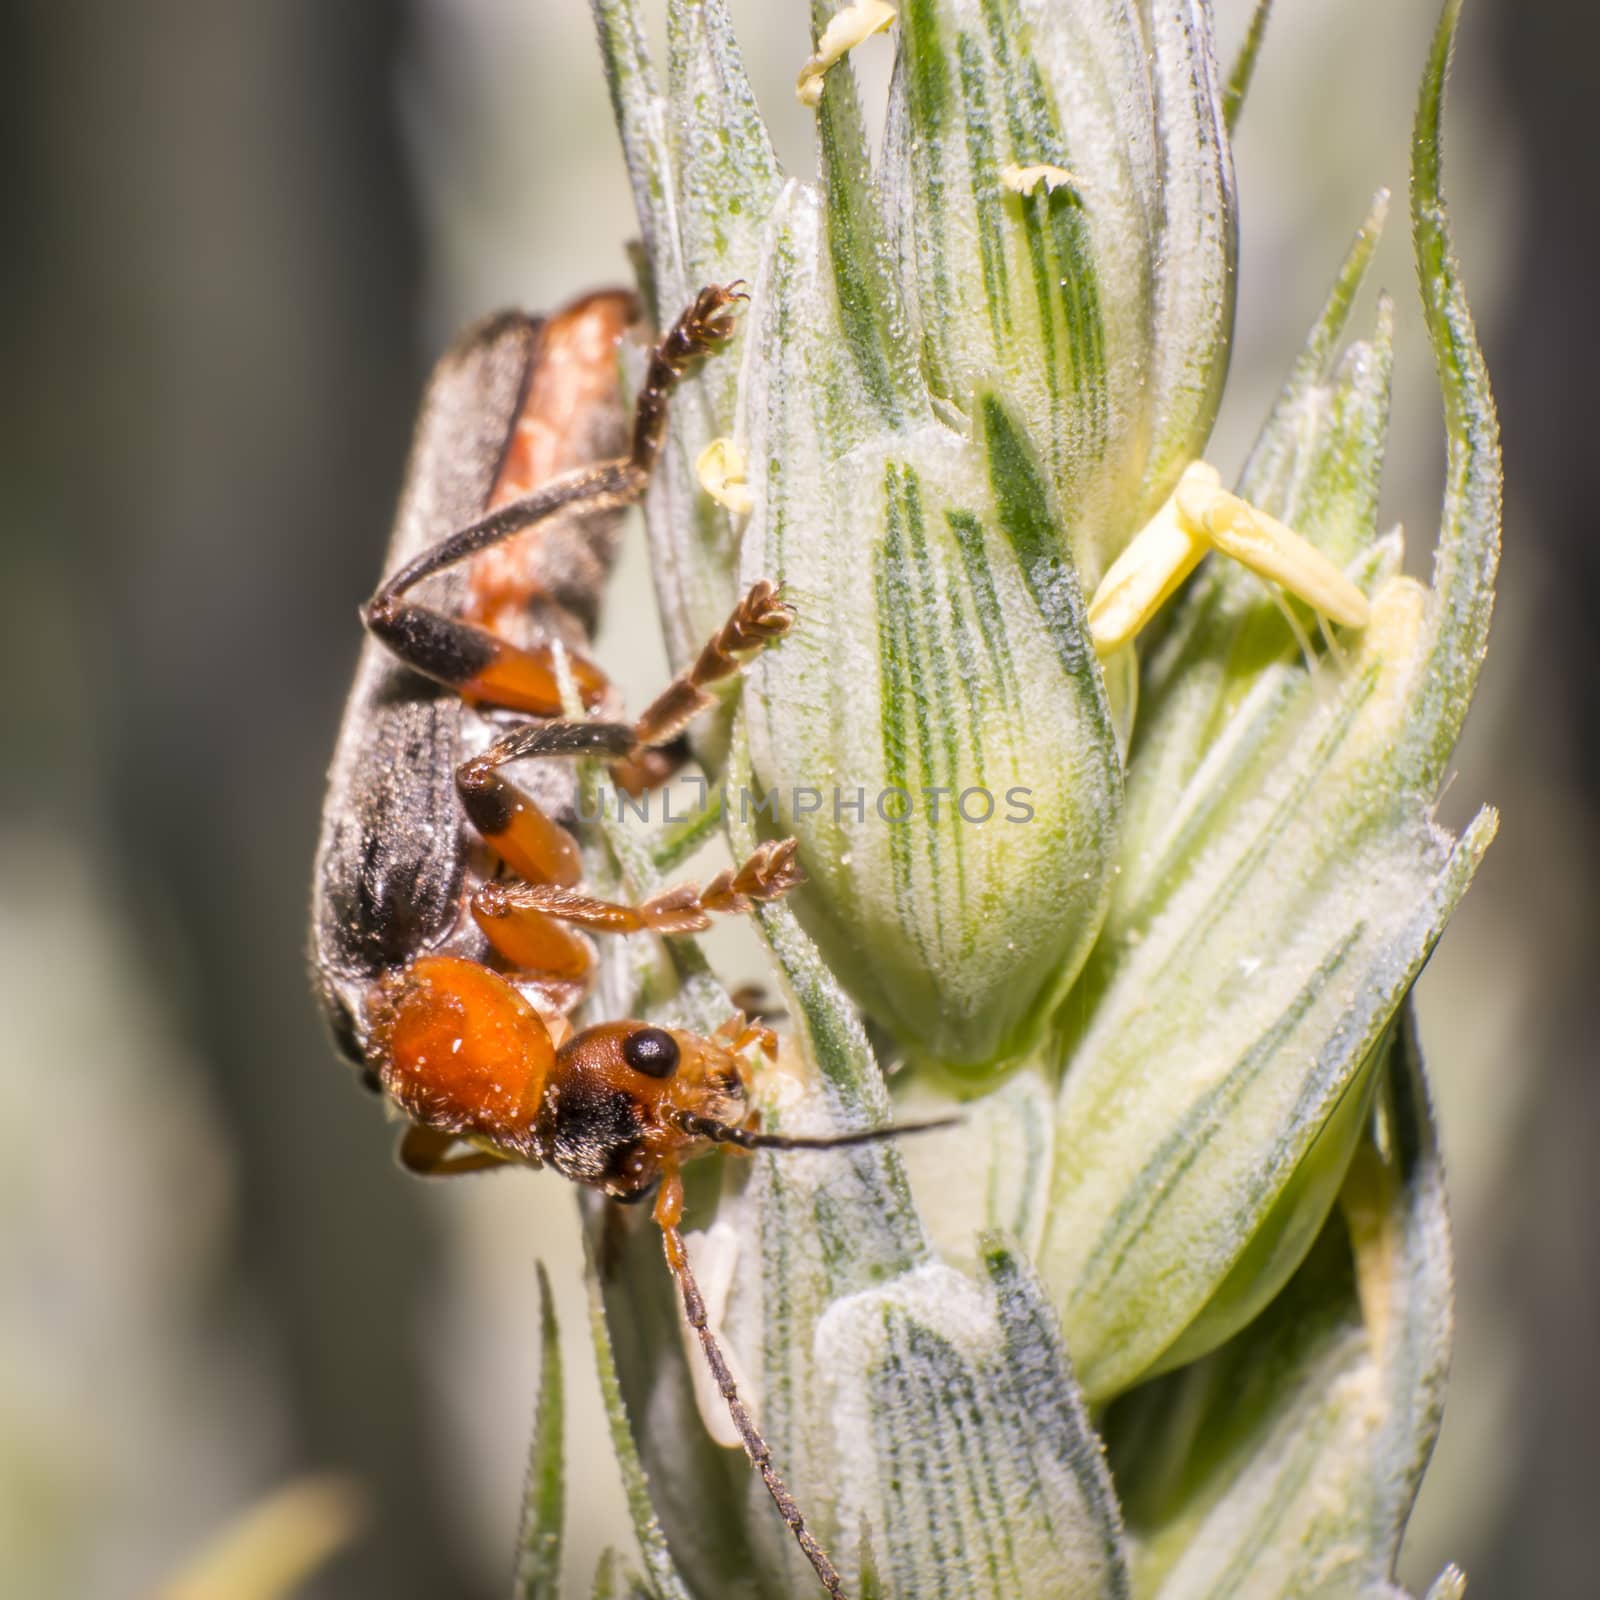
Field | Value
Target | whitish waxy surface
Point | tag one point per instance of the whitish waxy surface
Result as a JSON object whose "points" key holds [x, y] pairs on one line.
{"points": [[1283, 878], [1229, 1105], [1287, 1463], [957, 402]]}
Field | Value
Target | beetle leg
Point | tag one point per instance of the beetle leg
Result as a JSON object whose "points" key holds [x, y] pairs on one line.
{"points": [[520, 833], [770, 872], [649, 767], [426, 1152], [640, 757], [479, 664], [738, 1033], [534, 941], [524, 920], [668, 1216], [520, 918], [759, 618]]}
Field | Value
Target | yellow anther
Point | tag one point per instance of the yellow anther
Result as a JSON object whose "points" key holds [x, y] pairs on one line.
{"points": [[847, 29], [1023, 180], [1163, 553], [1198, 515], [1273, 551], [721, 471]]}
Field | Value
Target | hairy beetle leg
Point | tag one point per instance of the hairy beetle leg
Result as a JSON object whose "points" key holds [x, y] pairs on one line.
{"points": [[759, 618], [480, 665], [520, 833], [509, 911], [668, 1217], [738, 1033], [523, 920], [426, 1152], [540, 849]]}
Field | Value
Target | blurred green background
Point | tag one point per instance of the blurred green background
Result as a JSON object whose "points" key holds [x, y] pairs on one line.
{"points": [[236, 234]]}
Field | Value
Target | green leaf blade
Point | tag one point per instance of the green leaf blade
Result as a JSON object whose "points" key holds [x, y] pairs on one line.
{"points": [[1468, 553], [1244, 65], [538, 1570]]}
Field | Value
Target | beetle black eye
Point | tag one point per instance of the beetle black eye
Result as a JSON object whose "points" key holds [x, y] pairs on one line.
{"points": [[652, 1051]]}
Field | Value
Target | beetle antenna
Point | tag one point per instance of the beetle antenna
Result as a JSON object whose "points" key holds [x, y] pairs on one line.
{"points": [[747, 1139], [668, 1210]]}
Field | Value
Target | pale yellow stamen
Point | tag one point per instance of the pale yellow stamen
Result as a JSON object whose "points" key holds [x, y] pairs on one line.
{"points": [[720, 469], [847, 29], [1198, 515], [1273, 551], [1161, 555], [1023, 180]]}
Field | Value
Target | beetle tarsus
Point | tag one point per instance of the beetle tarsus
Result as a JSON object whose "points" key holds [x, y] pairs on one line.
{"points": [[761, 617]]}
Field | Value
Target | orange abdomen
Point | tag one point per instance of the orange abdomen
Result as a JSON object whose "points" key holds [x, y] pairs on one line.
{"points": [[462, 1051]]}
